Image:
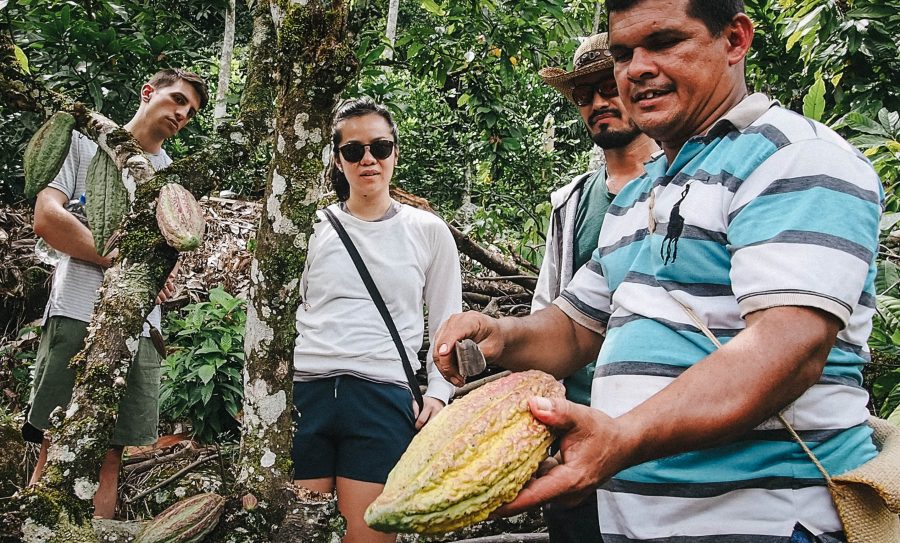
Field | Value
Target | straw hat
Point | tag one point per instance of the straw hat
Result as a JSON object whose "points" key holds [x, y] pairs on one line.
{"points": [[592, 56]]}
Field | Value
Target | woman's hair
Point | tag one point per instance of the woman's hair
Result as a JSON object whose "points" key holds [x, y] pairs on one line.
{"points": [[347, 110]]}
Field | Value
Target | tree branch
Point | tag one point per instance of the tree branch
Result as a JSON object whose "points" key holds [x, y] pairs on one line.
{"points": [[493, 261]]}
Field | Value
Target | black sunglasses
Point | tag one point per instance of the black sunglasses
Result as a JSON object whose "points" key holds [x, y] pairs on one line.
{"points": [[583, 95], [354, 151]]}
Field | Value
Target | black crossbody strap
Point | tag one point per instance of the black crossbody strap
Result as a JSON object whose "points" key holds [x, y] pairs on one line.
{"points": [[379, 303]]}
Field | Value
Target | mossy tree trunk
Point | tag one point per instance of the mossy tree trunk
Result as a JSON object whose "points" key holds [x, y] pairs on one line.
{"points": [[59, 508], [317, 61], [308, 65]]}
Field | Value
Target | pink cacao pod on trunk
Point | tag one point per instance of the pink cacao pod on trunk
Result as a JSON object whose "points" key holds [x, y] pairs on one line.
{"points": [[180, 217]]}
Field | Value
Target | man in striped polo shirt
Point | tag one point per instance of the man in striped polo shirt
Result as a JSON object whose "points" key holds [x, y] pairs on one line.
{"points": [[167, 103], [578, 211], [757, 227]]}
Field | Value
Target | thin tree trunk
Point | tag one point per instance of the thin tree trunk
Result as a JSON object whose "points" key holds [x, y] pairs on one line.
{"points": [[225, 63], [391, 30]]}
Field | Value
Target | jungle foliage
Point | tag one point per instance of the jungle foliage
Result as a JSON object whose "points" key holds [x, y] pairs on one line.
{"points": [[481, 136], [202, 374]]}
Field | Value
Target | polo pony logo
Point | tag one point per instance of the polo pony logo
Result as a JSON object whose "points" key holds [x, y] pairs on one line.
{"points": [[669, 249]]}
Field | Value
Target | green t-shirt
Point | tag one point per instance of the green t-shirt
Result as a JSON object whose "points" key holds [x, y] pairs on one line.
{"points": [[595, 199]]}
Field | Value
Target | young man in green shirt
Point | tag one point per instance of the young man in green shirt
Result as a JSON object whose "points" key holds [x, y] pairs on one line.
{"points": [[578, 211]]}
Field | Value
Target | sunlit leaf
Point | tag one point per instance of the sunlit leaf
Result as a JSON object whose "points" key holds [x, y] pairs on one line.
{"points": [[861, 123], [22, 59], [814, 101], [206, 373], [432, 7]]}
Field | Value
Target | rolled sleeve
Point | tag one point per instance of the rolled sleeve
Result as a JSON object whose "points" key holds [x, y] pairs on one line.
{"points": [[586, 299], [804, 232]]}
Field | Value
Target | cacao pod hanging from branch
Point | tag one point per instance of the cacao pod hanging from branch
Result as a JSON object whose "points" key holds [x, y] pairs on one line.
{"points": [[180, 217], [106, 199], [46, 152]]}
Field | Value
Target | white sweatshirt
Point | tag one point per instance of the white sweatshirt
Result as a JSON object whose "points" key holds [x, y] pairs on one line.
{"points": [[413, 260]]}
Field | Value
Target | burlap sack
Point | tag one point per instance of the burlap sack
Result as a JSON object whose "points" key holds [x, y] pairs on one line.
{"points": [[868, 498]]}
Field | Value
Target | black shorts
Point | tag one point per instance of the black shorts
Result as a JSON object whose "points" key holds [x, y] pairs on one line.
{"points": [[348, 427]]}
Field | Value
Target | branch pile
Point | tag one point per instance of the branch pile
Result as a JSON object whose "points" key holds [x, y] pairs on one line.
{"points": [[23, 278]]}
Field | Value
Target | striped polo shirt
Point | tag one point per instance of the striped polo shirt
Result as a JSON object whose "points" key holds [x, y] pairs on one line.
{"points": [[75, 282], [766, 209]]}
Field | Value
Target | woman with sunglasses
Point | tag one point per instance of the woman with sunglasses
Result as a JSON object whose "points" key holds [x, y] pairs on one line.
{"points": [[355, 411]]}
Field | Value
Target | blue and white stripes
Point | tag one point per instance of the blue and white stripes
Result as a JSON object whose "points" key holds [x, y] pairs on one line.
{"points": [[778, 212]]}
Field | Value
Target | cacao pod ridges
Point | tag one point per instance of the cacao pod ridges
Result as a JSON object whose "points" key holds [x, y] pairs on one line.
{"points": [[473, 457], [106, 199], [46, 151], [188, 521], [179, 217]]}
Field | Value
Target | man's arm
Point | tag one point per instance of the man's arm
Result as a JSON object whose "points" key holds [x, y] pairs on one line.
{"points": [[780, 354], [546, 340], [62, 231]]}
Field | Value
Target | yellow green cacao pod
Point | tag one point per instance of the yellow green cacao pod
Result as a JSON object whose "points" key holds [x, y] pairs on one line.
{"points": [[187, 521], [180, 217], [106, 198], [473, 457], [46, 152]]}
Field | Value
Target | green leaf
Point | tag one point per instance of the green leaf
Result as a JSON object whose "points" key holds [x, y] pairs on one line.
{"points": [[859, 122], [888, 220], [869, 141], [889, 308], [21, 59], [803, 27], [206, 374], [209, 346], [239, 392], [894, 417], [890, 120], [414, 50], [65, 16], [814, 101], [463, 99], [232, 408], [206, 392], [218, 295], [871, 12], [432, 7], [890, 402]]}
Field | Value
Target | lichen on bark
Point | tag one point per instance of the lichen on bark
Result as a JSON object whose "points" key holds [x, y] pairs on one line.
{"points": [[317, 62], [303, 70], [60, 504]]}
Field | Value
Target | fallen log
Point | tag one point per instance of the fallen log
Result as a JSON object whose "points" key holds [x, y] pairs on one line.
{"points": [[491, 260]]}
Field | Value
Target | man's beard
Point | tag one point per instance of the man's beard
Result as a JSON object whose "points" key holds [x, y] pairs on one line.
{"points": [[615, 139]]}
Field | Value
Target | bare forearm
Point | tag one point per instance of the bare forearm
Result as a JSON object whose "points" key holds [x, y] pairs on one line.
{"points": [[763, 369], [62, 231], [547, 340]]}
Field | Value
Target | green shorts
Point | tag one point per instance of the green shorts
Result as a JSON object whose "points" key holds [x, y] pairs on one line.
{"points": [[61, 339]]}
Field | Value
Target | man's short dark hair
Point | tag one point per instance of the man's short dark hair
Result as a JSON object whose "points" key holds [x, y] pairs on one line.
{"points": [[715, 14], [170, 76]]}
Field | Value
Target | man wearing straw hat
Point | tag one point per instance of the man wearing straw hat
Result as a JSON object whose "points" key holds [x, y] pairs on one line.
{"points": [[732, 294], [578, 210]]}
